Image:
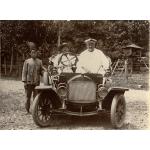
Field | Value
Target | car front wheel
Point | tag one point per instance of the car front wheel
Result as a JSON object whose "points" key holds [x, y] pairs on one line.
{"points": [[42, 110], [118, 111]]}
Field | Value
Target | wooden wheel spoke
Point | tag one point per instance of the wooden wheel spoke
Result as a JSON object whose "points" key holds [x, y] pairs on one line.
{"points": [[48, 102], [40, 117], [48, 117], [41, 104], [44, 118], [39, 113], [39, 108], [122, 110], [119, 112], [42, 110], [45, 101], [119, 117]]}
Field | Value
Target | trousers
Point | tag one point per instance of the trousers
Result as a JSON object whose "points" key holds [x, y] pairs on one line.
{"points": [[29, 89]]}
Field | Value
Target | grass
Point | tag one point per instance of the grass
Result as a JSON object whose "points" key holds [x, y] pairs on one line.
{"points": [[133, 81]]}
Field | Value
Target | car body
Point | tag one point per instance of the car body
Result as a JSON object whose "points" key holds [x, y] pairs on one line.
{"points": [[80, 95]]}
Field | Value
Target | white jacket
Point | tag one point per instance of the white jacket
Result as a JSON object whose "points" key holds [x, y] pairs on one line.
{"points": [[93, 62]]}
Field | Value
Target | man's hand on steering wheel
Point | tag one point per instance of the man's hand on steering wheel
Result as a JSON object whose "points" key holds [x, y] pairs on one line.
{"points": [[68, 62]]}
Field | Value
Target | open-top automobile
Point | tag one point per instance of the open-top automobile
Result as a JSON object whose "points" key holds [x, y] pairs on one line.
{"points": [[79, 94]]}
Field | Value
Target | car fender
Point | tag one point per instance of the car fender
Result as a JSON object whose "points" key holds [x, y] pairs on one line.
{"points": [[117, 90], [44, 87], [51, 93], [106, 104]]}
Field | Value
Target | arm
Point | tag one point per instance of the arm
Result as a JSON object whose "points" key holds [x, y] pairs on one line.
{"points": [[42, 69], [106, 66], [24, 72], [105, 62]]}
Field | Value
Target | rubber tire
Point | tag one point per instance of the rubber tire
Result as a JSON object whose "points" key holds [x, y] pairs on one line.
{"points": [[115, 101], [45, 78], [34, 112]]}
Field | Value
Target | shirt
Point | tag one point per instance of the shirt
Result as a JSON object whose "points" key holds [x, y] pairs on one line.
{"points": [[32, 69], [93, 62]]}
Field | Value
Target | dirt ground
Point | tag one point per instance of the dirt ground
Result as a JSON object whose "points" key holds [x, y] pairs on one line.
{"points": [[13, 114]]}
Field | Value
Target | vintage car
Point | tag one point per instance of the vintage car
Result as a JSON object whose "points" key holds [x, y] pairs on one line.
{"points": [[77, 94]]}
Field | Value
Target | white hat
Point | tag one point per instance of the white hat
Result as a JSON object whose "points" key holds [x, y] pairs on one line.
{"points": [[90, 40]]}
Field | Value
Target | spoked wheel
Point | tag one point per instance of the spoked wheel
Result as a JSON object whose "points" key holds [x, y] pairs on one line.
{"points": [[118, 111], [42, 110]]}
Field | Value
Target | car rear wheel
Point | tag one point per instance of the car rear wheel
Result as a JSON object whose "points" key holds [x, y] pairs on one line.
{"points": [[118, 111], [42, 110]]}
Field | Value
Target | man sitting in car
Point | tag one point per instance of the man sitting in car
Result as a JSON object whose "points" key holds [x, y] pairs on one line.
{"points": [[92, 60], [63, 60]]}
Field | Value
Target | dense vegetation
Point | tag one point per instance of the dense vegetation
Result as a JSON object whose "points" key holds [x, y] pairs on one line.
{"points": [[48, 35]]}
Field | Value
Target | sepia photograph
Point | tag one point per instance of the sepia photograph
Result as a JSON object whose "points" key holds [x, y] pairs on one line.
{"points": [[74, 74]]}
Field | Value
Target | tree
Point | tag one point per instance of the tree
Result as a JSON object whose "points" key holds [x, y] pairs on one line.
{"points": [[112, 36]]}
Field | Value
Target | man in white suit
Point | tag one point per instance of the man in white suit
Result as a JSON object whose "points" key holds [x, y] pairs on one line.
{"points": [[92, 60]]}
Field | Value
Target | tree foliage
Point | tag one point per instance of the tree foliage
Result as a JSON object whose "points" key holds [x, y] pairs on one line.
{"points": [[111, 35]]}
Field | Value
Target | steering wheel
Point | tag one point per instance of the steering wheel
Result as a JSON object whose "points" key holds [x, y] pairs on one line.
{"points": [[68, 59]]}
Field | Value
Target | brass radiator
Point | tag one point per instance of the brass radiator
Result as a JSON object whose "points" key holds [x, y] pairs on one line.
{"points": [[82, 91]]}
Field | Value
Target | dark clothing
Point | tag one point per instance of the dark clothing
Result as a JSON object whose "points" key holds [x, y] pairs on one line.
{"points": [[31, 72], [32, 69], [29, 89]]}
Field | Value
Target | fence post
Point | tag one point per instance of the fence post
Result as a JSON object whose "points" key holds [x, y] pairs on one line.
{"points": [[126, 70]]}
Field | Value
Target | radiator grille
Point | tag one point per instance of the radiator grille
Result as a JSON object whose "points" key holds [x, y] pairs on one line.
{"points": [[81, 91]]}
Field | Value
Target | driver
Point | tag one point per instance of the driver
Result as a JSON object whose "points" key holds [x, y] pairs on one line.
{"points": [[92, 60], [64, 60]]}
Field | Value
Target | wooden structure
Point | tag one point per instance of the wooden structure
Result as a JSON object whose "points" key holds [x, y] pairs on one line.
{"points": [[134, 60], [134, 55], [120, 68]]}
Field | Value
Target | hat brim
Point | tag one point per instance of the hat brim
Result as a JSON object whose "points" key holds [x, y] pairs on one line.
{"points": [[90, 41]]}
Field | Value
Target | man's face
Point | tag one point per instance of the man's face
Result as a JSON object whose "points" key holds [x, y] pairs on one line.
{"points": [[65, 49], [33, 54], [90, 46]]}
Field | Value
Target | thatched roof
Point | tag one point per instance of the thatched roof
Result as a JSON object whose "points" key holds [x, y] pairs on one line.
{"points": [[133, 46]]}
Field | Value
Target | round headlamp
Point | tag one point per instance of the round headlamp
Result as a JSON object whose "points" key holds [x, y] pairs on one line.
{"points": [[62, 91], [102, 92]]}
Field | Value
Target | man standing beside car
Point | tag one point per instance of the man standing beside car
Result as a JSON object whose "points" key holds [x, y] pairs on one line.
{"points": [[32, 69]]}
